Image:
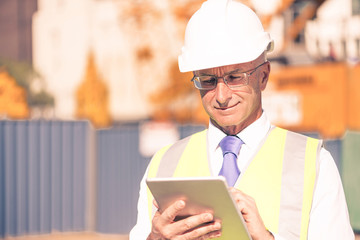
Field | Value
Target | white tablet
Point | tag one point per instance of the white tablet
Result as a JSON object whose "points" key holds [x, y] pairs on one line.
{"points": [[203, 194]]}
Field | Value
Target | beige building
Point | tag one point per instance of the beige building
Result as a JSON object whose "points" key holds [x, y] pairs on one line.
{"points": [[133, 44]]}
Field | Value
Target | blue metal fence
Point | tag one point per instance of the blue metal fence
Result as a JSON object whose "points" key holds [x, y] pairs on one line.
{"points": [[65, 176], [46, 176], [119, 171], [42, 176]]}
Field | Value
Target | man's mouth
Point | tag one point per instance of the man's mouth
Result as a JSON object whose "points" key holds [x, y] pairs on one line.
{"points": [[227, 107]]}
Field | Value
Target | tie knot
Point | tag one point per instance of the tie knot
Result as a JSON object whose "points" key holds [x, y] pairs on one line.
{"points": [[231, 144]]}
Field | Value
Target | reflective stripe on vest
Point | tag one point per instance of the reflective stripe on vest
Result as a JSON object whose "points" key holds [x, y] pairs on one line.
{"points": [[281, 176]]}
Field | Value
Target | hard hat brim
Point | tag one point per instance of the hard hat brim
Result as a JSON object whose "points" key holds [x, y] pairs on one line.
{"points": [[193, 62]]}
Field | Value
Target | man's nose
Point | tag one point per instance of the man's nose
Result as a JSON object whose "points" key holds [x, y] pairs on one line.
{"points": [[223, 92]]}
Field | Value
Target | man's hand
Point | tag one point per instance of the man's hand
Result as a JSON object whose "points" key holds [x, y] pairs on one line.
{"points": [[248, 209], [201, 226]]}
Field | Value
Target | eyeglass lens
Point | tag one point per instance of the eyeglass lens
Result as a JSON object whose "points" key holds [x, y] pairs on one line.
{"points": [[232, 80]]}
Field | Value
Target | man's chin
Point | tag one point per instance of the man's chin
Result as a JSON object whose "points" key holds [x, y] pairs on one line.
{"points": [[224, 123]]}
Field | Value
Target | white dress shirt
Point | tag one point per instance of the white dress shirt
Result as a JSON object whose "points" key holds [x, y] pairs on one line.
{"points": [[329, 218]]}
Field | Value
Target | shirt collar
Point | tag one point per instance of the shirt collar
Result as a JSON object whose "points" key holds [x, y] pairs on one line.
{"points": [[251, 135]]}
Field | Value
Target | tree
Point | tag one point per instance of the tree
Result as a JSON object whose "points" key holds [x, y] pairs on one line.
{"points": [[13, 102], [92, 97], [25, 75]]}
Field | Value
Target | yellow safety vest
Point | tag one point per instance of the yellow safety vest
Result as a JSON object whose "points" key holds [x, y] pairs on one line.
{"points": [[281, 176]]}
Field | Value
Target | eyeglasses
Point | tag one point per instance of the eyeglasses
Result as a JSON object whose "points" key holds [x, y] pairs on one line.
{"points": [[233, 79]]}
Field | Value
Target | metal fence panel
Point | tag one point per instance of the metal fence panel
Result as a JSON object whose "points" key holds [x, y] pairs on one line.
{"points": [[67, 179], [56, 173], [351, 176], [81, 160], [21, 177], [334, 146], [10, 185], [2, 179], [33, 173], [44, 132], [43, 176], [119, 171]]}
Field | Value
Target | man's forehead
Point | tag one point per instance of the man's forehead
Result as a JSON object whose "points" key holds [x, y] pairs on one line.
{"points": [[225, 69]]}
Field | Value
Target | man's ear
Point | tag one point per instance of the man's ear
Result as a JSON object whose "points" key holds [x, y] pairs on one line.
{"points": [[265, 76]]}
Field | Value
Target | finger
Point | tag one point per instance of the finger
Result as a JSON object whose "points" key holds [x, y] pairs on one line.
{"points": [[237, 192], [205, 231], [244, 203], [193, 222], [240, 196], [172, 211], [243, 209], [163, 222], [215, 234]]}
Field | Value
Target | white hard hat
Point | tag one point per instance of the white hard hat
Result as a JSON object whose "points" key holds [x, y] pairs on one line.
{"points": [[222, 32]]}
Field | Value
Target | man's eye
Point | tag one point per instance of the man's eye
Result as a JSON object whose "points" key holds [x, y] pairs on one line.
{"points": [[207, 80], [235, 77]]}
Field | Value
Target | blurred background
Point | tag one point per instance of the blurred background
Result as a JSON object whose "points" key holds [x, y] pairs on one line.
{"points": [[90, 89]]}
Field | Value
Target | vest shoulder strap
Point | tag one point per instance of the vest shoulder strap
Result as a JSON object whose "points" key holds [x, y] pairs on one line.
{"points": [[166, 161]]}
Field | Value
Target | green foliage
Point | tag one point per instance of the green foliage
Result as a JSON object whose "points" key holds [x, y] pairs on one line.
{"points": [[24, 74], [41, 99]]}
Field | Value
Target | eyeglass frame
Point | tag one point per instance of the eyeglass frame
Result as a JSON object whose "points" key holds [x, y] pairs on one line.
{"points": [[247, 75]]}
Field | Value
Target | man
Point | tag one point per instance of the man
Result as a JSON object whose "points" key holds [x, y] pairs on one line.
{"points": [[285, 185]]}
